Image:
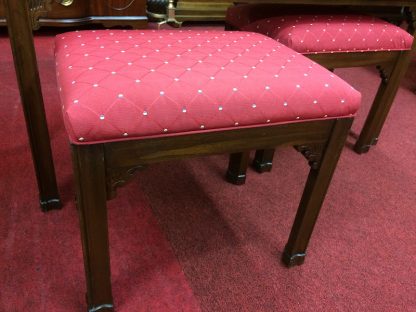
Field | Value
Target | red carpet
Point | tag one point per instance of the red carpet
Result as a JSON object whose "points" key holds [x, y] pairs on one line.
{"points": [[182, 239]]}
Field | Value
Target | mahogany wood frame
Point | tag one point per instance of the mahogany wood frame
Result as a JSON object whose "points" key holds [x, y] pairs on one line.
{"points": [[391, 64], [100, 168]]}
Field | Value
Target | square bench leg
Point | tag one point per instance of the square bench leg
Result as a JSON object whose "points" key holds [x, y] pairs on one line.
{"points": [[263, 160], [382, 104], [21, 41], [89, 171], [314, 193], [237, 168], [238, 163]]}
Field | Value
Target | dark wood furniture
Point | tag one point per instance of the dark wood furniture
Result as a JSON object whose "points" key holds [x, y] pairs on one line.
{"points": [[101, 168], [80, 12], [201, 10], [20, 33], [391, 64]]}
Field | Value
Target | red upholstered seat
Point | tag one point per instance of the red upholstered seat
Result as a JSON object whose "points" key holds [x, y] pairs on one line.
{"points": [[118, 84], [333, 33]]}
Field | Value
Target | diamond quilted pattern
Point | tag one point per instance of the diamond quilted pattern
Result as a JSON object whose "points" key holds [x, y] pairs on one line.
{"points": [[333, 33], [131, 84]]}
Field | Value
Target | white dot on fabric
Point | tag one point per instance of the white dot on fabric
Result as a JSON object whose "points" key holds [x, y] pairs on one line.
{"points": [[145, 113], [102, 117]]}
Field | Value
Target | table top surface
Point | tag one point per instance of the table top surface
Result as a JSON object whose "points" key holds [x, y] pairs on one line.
{"points": [[340, 2]]}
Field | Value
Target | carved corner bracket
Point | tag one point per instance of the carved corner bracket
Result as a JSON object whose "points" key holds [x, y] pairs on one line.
{"points": [[312, 153], [118, 177], [384, 73]]}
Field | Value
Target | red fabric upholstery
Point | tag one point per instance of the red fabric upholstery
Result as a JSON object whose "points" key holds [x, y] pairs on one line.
{"points": [[333, 33], [119, 84]]}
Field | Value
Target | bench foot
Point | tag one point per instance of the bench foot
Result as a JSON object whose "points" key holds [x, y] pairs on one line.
{"points": [[263, 160], [361, 148], [292, 260], [237, 168], [50, 204]]}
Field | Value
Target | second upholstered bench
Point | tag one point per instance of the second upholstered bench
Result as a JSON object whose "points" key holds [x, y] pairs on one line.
{"points": [[333, 40]]}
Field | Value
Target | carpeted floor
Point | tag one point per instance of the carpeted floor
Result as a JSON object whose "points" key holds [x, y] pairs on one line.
{"points": [[182, 239]]}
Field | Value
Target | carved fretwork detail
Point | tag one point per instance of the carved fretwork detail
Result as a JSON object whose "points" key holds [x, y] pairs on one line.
{"points": [[119, 177], [37, 9], [312, 152], [384, 74]]}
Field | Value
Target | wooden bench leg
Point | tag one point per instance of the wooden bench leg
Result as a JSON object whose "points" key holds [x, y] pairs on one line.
{"points": [[263, 160], [314, 193], [382, 104], [89, 171], [237, 168], [30, 91]]}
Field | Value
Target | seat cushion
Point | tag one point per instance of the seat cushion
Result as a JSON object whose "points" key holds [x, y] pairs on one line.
{"points": [[333, 33], [132, 84]]}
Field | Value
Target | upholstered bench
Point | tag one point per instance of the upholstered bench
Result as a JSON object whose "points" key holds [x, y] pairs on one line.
{"points": [[132, 98], [333, 40], [329, 33]]}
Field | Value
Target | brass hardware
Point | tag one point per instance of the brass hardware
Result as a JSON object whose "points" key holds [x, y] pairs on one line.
{"points": [[170, 17], [65, 2]]}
